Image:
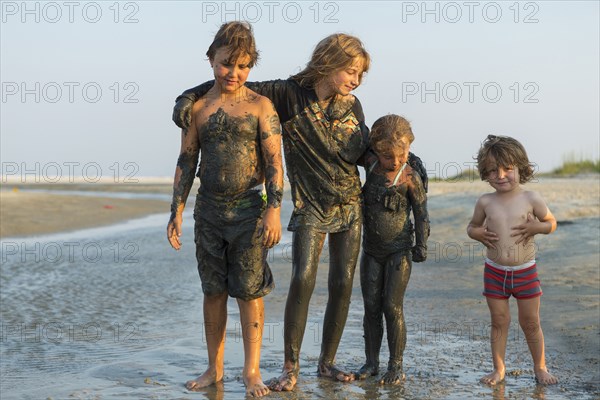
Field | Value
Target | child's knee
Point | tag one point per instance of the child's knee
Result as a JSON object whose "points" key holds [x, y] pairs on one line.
{"points": [[391, 309], [340, 287], [529, 323], [215, 298], [500, 319], [373, 306]]}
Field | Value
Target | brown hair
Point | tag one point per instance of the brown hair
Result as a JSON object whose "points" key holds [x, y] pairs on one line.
{"points": [[387, 131], [506, 152], [335, 52], [239, 38]]}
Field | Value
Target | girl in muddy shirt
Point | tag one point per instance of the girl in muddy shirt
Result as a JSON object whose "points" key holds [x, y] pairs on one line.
{"points": [[392, 190]]}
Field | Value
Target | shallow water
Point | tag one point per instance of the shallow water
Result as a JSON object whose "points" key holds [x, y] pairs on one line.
{"points": [[114, 312]]}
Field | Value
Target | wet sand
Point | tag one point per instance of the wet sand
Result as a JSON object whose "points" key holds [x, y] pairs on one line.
{"points": [[113, 328]]}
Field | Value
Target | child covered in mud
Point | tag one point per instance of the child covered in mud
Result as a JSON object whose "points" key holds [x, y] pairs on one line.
{"points": [[392, 189], [238, 133], [506, 221]]}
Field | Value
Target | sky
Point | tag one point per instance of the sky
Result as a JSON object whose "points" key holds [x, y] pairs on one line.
{"points": [[88, 87]]}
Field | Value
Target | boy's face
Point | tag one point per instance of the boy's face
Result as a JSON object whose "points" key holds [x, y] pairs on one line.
{"points": [[503, 179], [345, 80], [230, 75]]}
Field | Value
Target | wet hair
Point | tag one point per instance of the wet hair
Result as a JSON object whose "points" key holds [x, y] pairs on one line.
{"points": [[505, 152], [387, 132], [334, 53], [237, 36]]}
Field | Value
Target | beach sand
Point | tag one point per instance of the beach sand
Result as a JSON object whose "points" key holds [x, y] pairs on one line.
{"points": [[145, 318], [26, 213]]}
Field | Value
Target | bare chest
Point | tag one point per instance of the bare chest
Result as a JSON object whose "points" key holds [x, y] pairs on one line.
{"points": [[502, 216]]}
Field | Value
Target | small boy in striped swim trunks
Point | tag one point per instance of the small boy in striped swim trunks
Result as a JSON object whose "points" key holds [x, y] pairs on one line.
{"points": [[506, 222]]}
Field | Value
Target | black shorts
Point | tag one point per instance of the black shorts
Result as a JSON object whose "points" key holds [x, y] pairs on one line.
{"points": [[230, 254]]}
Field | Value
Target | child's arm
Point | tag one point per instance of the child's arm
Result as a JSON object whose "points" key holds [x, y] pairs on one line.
{"points": [[542, 220], [270, 143], [184, 179], [417, 165], [418, 200], [476, 228], [182, 111]]}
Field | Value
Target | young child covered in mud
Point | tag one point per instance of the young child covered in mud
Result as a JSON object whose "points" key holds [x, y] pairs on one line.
{"points": [[239, 134], [392, 189], [506, 221]]}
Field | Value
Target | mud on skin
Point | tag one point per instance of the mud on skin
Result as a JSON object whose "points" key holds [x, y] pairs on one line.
{"points": [[234, 163], [386, 265], [183, 183]]}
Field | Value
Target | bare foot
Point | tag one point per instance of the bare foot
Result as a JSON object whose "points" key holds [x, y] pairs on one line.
{"points": [[206, 379], [366, 370], [286, 381], [493, 378], [255, 386], [543, 377], [393, 376], [331, 371]]}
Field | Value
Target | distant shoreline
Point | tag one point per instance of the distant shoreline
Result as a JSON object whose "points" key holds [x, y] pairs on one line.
{"points": [[32, 213], [25, 212]]}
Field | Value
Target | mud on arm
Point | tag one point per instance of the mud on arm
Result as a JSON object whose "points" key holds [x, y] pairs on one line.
{"points": [[418, 201], [183, 181], [182, 111], [270, 144]]}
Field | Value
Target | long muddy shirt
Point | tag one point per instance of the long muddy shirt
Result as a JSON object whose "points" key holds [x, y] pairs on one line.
{"points": [[387, 226], [321, 149]]}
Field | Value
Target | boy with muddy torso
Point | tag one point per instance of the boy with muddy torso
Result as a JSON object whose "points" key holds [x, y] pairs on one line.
{"points": [[238, 135]]}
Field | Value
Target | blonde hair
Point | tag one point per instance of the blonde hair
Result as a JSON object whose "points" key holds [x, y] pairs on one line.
{"points": [[387, 132], [237, 36], [506, 152], [335, 52]]}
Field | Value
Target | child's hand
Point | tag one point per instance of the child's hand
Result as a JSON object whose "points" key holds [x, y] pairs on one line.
{"points": [[487, 238], [271, 228], [419, 254], [182, 112], [174, 231], [526, 230]]}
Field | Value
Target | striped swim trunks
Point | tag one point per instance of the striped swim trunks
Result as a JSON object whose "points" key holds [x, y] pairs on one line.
{"points": [[501, 282]]}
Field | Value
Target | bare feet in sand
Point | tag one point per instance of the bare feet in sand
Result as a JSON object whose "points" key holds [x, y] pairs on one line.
{"points": [[286, 381], [331, 371], [493, 378], [543, 377], [255, 386], [206, 379], [393, 376], [367, 370]]}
